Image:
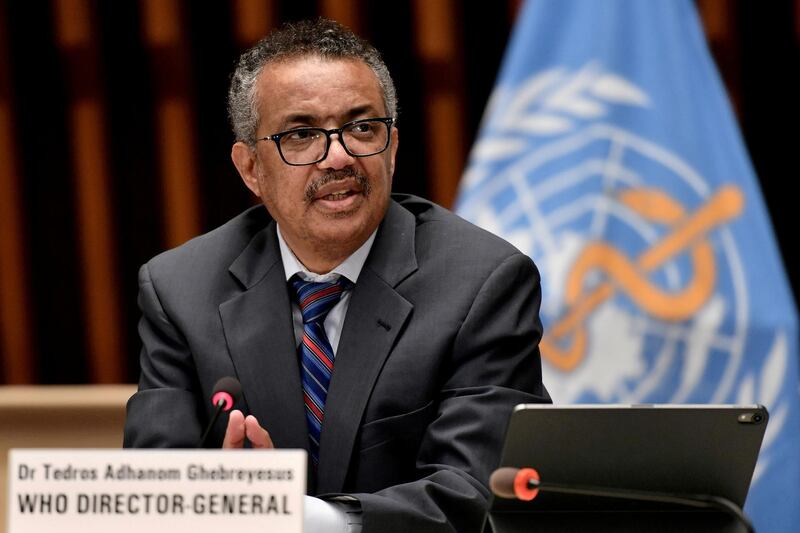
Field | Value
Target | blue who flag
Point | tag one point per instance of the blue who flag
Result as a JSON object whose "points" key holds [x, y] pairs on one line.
{"points": [[609, 153]]}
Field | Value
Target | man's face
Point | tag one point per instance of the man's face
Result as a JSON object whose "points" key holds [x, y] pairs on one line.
{"points": [[331, 207]]}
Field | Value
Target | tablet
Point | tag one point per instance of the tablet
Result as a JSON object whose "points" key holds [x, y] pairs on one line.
{"points": [[683, 449]]}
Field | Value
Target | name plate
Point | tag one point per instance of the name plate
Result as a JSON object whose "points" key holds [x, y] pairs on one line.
{"points": [[155, 491]]}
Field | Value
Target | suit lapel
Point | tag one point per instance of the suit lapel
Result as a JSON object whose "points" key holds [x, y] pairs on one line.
{"points": [[375, 316], [260, 336]]}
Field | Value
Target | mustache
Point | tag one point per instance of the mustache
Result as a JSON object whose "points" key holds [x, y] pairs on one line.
{"points": [[337, 175]]}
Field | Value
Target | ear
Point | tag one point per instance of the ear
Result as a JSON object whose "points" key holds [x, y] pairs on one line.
{"points": [[395, 140], [244, 159]]}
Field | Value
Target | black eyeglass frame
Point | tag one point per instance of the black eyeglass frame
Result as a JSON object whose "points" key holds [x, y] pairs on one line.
{"points": [[276, 137]]}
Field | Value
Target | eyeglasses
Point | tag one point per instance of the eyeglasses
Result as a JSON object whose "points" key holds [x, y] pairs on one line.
{"points": [[306, 146]]}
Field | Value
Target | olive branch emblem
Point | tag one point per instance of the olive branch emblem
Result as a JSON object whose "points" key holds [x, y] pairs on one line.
{"points": [[550, 103]]}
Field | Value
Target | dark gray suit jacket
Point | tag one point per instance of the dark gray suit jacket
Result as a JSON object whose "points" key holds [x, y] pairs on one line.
{"points": [[440, 341]]}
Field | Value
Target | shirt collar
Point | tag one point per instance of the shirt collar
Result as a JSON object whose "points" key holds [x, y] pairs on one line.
{"points": [[350, 268]]}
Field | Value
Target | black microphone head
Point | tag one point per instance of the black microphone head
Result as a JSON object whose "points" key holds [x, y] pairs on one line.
{"points": [[227, 390], [519, 483], [228, 384], [501, 482]]}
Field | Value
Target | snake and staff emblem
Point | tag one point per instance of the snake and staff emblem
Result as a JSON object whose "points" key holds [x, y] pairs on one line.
{"points": [[688, 232]]}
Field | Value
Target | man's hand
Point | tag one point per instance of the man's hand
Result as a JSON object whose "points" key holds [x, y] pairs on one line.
{"points": [[241, 428]]}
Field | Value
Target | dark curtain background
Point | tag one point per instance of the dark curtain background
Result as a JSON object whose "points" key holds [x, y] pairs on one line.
{"points": [[114, 142]]}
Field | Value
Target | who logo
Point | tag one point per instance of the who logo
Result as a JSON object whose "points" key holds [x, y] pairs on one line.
{"points": [[645, 292]]}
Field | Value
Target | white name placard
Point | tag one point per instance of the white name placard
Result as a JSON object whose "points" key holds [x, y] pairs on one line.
{"points": [[155, 491]]}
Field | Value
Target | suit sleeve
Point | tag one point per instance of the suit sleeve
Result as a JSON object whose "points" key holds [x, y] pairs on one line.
{"points": [[495, 364], [168, 384]]}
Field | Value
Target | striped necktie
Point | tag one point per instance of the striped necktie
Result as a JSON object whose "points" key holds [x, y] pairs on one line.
{"points": [[316, 355]]}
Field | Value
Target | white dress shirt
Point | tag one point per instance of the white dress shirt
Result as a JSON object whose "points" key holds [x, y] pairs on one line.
{"points": [[350, 268]]}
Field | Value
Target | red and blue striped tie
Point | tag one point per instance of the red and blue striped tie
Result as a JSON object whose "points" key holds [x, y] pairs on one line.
{"points": [[316, 355]]}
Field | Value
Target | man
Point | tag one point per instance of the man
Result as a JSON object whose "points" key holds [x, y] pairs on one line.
{"points": [[401, 387]]}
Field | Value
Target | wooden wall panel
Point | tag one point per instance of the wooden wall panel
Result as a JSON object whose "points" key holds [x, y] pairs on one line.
{"points": [[77, 40], [344, 11], [252, 20], [16, 346], [438, 44], [166, 42]]}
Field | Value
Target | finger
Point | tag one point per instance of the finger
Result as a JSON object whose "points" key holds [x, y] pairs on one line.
{"points": [[258, 436], [235, 432]]}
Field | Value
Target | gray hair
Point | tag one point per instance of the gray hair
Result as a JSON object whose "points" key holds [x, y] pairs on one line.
{"points": [[323, 38]]}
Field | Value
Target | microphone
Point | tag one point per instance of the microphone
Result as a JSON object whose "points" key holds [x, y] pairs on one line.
{"points": [[524, 484], [223, 397]]}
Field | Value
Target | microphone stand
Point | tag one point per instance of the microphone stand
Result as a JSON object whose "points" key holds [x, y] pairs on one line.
{"points": [[220, 406], [702, 501]]}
